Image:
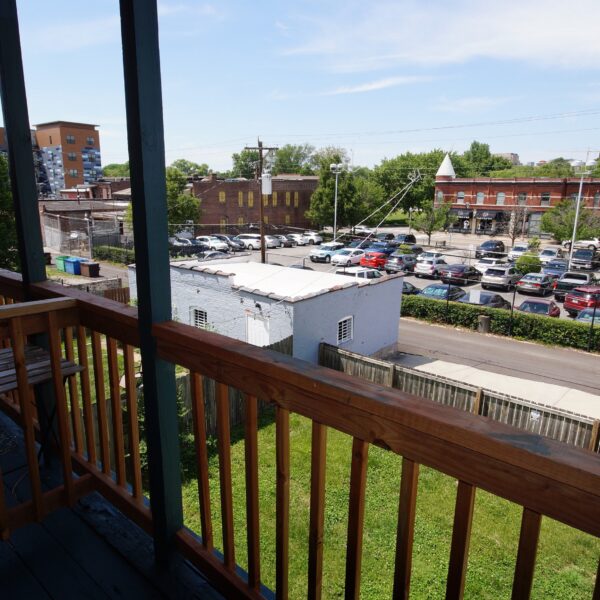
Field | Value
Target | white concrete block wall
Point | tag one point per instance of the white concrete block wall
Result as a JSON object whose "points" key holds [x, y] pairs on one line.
{"points": [[376, 314]]}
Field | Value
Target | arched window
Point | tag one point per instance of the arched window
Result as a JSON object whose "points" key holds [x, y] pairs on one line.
{"points": [[500, 197], [460, 198], [480, 197]]}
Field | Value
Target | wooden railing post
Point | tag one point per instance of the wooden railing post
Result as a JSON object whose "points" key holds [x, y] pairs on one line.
{"points": [[143, 102]]}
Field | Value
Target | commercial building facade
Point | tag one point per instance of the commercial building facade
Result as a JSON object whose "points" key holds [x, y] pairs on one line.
{"points": [[487, 205], [229, 203]]}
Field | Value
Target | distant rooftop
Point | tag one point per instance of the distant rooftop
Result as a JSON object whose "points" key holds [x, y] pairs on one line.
{"points": [[280, 283], [67, 123]]}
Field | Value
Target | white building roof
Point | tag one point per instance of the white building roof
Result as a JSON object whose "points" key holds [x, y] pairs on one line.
{"points": [[446, 168], [276, 281]]}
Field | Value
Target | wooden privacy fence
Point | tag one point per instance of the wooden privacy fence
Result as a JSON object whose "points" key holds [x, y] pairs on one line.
{"points": [[558, 424]]}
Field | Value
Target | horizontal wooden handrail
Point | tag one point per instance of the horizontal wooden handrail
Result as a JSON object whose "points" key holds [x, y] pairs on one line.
{"points": [[36, 307], [544, 475]]}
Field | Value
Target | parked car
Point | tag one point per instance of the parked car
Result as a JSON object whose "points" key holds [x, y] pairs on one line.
{"points": [[487, 299], [298, 238], [374, 259], [347, 257], [272, 241], [362, 230], [324, 252], [459, 273], [587, 315], [384, 237], [502, 277], [584, 259], [250, 241], [569, 281], [591, 244], [587, 296], [430, 267], [550, 253], [312, 237], [535, 283], [285, 242], [359, 244], [442, 291], [409, 289], [405, 238], [517, 251], [229, 240], [540, 307], [555, 268], [214, 243], [428, 255], [487, 263], [360, 272], [211, 255], [490, 248], [399, 262]]}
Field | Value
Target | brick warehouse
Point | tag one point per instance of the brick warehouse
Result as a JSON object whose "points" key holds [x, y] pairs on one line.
{"points": [[485, 204], [235, 202]]}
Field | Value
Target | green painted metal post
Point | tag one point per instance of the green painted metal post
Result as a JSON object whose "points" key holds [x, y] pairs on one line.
{"points": [[20, 155], [141, 60]]}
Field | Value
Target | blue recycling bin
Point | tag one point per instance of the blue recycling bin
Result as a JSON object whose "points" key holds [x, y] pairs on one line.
{"points": [[73, 265]]}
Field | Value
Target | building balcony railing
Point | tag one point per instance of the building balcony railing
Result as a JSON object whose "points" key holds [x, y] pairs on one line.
{"points": [[97, 440]]}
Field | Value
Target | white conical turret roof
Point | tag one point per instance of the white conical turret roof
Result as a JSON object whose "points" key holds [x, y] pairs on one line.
{"points": [[446, 169]]}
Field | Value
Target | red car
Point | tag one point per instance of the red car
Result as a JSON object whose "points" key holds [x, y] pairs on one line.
{"points": [[586, 296], [540, 307], [375, 260]]}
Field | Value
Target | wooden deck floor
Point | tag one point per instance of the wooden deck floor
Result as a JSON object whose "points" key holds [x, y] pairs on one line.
{"points": [[89, 552]]}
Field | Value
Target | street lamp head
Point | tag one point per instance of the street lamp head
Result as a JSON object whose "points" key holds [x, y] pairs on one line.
{"points": [[336, 167]]}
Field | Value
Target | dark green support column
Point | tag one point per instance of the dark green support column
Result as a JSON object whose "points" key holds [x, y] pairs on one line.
{"points": [[141, 60], [20, 155]]}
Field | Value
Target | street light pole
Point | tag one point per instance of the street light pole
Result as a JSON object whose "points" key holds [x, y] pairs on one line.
{"points": [[337, 169], [578, 208]]}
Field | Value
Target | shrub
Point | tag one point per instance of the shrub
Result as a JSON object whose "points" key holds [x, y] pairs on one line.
{"points": [[114, 254], [528, 263], [531, 327]]}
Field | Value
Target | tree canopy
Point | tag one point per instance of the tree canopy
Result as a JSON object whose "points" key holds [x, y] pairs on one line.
{"points": [[188, 167], [9, 256], [480, 162], [294, 159], [433, 218], [245, 164], [116, 170], [560, 220], [558, 167]]}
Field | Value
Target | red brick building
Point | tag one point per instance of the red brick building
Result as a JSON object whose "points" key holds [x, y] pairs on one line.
{"points": [[484, 204], [235, 202]]}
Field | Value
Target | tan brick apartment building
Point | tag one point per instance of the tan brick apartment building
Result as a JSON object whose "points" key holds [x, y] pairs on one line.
{"points": [[484, 204], [235, 202]]}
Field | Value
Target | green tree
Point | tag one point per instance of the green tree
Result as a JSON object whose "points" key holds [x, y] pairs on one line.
{"points": [[187, 167], [323, 199], [559, 167], [116, 170], [9, 256], [528, 263], [182, 206], [245, 164], [560, 220], [433, 218], [370, 195], [481, 162], [294, 159]]}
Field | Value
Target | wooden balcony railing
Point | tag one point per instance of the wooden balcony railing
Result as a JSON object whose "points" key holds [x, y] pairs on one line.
{"points": [[544, 477]]}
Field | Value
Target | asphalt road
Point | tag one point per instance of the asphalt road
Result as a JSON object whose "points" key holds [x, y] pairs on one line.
{"points": [[561, 366]]}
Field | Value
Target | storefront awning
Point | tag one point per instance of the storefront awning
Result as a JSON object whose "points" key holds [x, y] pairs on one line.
{"points": [[461, 213]]}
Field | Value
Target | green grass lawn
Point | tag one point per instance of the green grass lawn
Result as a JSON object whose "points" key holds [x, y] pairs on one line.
{"points": [[567, 559]]}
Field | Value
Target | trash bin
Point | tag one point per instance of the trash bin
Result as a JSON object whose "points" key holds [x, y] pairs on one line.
{"points": [[90, 269], [483, 324], [73, 266], [60, 262]]}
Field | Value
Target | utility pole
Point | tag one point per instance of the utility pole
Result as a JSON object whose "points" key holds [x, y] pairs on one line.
{"points": [[261, 149]]}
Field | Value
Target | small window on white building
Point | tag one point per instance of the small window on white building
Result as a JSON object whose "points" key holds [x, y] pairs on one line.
{"points": [[345, 330], [199, 318]]}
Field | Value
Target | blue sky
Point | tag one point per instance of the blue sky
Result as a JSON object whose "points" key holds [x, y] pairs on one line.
{"points": [[378, 78]]}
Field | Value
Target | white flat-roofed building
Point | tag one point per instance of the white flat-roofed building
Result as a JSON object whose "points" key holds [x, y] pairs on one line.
{"points": [[266, 304]]}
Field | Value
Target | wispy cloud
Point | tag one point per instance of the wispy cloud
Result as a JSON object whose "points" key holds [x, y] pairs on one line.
{"points": [[380, 84], [383, 34]]}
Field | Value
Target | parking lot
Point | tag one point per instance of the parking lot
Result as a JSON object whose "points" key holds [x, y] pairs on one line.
{"points": [[462, 252]]}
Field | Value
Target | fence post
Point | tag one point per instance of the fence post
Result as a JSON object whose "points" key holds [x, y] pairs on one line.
{"points": [[595, 435], [476, 408], [390, 375]]}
